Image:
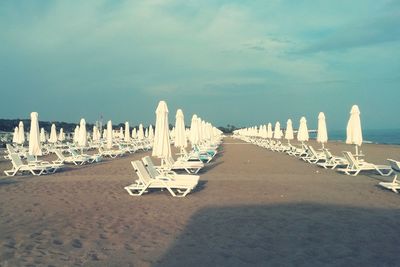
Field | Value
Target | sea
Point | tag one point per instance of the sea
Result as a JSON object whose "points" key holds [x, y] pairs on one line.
{"points": [[373, 136]]}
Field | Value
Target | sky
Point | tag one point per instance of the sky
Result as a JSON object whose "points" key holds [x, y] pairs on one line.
{"points": [[242, 63]]}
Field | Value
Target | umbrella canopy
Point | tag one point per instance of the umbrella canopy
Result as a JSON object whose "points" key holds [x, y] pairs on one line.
{"points": [[151, 132], [82, 141], [42, 135], [302, 134], [180, 135], [21, 133], [121, 133], [277, 131], [134, 134], [127, 137], [322, 135], [96, 134], [194, 131], [140, 133], [76, 134], [109, 135], [270, 132], [15, 135], [53, 134], [354, 130], [161, 146], [289, 130], [61, 135], [35, 148]]}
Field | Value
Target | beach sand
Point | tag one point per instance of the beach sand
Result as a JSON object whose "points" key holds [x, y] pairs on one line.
{"points": [[252, 207]]}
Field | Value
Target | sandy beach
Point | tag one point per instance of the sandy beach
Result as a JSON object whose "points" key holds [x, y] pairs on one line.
{"points": [[252, 207]]}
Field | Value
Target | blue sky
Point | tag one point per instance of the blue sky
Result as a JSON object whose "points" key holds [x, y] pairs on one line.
{"points": [[236, 62]]}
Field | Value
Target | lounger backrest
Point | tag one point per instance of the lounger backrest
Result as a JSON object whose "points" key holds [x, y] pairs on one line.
{"points": [[16, 160], [29, 157], [141, 171], [10, 149], [150, 167], [170, 161], [74, 153], [350, 158], [328, 154], [313, 152], [59, 154], [394, 164]]}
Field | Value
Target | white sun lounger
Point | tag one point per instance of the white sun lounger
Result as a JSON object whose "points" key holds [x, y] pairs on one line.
{"points": [[395, 184], [112, 153], [177, 187], [332, 161], [356, 166], [32, 160], [77, 160], [191, 167], [89, 158], [18, 166], [313, 156], [165, 171]]}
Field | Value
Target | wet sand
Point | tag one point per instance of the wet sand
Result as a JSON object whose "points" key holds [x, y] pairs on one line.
{"points": [[252, 207]]}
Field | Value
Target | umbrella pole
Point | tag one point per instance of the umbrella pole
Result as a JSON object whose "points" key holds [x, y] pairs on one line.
{"points": [[357, 152]]}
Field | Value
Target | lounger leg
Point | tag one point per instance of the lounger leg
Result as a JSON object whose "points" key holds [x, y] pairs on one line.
{"points": [[139, 191]]}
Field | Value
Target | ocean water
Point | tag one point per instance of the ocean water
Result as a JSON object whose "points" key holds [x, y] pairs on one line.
{"points": [[381, 136]]}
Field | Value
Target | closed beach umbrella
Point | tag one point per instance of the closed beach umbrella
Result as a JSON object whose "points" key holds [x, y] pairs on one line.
{"points": [[109, 135], [21, 133], [265, 131], [96, 134], [42, 136], [140, 133], [162, 146], [127, 137], [354, 130], [53, 134], [180, 134], [289, 131], [270, 132], [322, 135], [104, 133], [134, 133], [194, 131], [15, 135], [61, 136], [82, 141], [146, 133], [151, 132], [277, 131], [35, 148], [302, 134], [121, 133], [76, 134]]}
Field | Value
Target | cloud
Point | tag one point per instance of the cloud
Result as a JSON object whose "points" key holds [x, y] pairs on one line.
{"points": [[362, 33]]}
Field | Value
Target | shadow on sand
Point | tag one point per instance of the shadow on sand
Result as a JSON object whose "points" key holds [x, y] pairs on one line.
{"points": [[288, 235], [209, 166]]}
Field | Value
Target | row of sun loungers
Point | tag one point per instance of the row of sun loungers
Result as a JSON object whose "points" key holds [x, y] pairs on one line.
{"points": [[348, 164], [66, 154]]}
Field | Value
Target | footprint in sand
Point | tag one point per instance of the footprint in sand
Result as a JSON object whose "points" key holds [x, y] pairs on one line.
{"points": [[103, 236], [76, 243], [57, 242]]}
